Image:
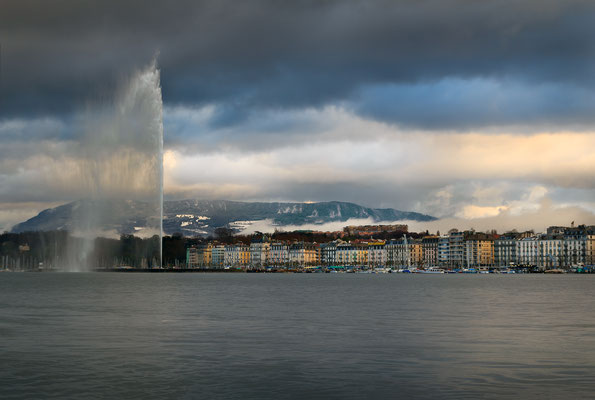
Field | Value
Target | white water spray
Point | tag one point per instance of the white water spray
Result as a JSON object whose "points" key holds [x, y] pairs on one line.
{"points": [[120, 159], [160, 152]]}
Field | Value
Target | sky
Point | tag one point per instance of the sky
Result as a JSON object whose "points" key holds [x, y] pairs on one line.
{"points": [[479, 113]]}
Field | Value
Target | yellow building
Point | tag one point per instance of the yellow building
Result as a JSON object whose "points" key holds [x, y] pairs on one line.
{"points": [[199, 256], [205, 257], [244, 255], [352, 254], [416, 252], [237, 255], [302, 254], [486, 252], [590, 250], [479, 251], [361, 254], [311, 254]]}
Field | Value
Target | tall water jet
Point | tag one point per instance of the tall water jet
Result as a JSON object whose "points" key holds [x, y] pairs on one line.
{"points": [[160, 152], [118, 160]]}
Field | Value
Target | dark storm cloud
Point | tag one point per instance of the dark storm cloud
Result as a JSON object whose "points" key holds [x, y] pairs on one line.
{"points": [[253, 55], [441, 105]]}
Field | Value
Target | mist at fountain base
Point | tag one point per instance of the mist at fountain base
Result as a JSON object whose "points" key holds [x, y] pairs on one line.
{"points": [[61, 251]]}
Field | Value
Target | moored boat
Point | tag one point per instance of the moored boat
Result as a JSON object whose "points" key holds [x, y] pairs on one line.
{"points": [[431, 270]]}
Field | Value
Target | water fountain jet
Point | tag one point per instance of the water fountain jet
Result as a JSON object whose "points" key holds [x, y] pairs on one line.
{"points": [[119, 158]]}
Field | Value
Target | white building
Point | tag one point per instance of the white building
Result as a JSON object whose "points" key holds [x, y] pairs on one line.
{"points": [[456, 249], [551, 253], [279, 254], [505, 251], [575, 250], [260, 251], [346, 254], [377, 256], [218, 257], [328, 252], [443, 250], [527, 251]]}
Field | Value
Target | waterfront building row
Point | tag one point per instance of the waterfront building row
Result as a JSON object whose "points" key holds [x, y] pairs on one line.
{"points": [[557, 248]]}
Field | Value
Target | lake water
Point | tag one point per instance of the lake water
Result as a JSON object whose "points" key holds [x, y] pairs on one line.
{"points": [[145, 336]]}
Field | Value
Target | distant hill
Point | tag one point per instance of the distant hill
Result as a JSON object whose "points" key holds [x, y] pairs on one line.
{"points": [[202, 217]]}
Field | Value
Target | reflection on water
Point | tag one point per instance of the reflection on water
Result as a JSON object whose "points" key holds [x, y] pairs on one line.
{"points": [[296, 336]]}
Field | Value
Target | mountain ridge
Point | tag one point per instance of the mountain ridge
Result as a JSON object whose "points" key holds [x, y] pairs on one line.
{"points": [[193, 217]]}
